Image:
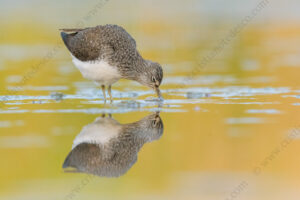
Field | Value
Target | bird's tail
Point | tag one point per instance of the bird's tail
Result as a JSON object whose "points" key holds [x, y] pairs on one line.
{"points": [[71, 29]]}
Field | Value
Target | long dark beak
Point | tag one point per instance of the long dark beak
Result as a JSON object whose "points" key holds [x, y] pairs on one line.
{"points": [[158, 92]]}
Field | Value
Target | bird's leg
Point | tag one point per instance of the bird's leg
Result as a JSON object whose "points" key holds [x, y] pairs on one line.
{"points": [[103, 91], [109, 93]]}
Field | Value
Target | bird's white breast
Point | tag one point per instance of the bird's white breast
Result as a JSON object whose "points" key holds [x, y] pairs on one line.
{"points": [[99, 71]]}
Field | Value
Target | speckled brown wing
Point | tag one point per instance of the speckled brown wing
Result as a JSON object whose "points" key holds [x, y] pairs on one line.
{"points": [[85, 44], [98, 42]]}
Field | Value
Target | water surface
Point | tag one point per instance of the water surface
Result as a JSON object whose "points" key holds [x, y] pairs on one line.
{"points": [[230, 128]]}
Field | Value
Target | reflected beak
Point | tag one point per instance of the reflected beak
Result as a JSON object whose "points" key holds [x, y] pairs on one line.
{"points": [[157, 115]]}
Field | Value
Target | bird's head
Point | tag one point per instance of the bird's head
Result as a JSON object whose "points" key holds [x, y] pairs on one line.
{"points": [[152, 76], [150, 127]]}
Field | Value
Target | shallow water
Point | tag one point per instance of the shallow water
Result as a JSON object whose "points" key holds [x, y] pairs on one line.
{"points": [[230, 128]]}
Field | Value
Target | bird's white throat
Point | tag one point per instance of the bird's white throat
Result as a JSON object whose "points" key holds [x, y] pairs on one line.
{"points": [[99, 71]]}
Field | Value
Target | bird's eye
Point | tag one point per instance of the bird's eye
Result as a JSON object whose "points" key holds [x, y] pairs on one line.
{"points": [[154, 123], [153, 79]]}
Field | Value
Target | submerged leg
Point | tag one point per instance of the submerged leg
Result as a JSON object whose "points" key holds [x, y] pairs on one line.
{"points": [[109, 93], [103, 91]]}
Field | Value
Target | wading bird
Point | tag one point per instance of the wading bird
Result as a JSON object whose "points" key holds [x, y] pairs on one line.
{"points": [[105, 54]]}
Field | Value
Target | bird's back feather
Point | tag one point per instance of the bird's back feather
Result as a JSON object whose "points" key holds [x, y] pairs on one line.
{"points": [[98, 42]]}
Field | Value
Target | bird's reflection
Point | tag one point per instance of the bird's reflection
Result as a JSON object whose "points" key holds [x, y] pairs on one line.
{"points": [[107, 148]]}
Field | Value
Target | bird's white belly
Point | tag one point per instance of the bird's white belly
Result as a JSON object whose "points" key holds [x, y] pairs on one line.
{"points": [[99, 71], [97, 133]]}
